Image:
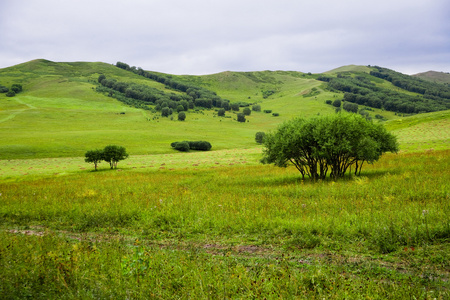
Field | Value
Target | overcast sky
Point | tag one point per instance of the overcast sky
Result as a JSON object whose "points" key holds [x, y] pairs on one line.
{"points": [[205, 36]]}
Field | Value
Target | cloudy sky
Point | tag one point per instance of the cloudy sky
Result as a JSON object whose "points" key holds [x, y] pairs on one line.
{"points": [[210, 36]]}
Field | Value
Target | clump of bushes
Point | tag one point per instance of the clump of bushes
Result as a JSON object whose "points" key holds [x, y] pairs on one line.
{"points": [[185, 146]]}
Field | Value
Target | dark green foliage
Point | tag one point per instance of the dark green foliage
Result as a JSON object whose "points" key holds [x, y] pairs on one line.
{"points": [[267, 93], [221, 112], [268, 111], [247, 111], [191, 145], [333, 143], [113, 154], [3, 89], [182, 146], [241, 117], [165, 111], [10, 94], [235, 106], [259, 137], [429, 89], [180, 108], [181, 116], [16, 88], [350, 107], [362, 90], [329, 102], [275, 114], [207, 98], [256, 107], [94, 156], [101, 78], [337, 103], [226, 105]]}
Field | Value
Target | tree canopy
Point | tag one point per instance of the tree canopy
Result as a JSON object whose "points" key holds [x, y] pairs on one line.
{"points": [[333, 143], [113, 154]]}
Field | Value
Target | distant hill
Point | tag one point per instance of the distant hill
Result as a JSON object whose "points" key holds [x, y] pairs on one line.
{"points": [[439, 77], [63, 109]]}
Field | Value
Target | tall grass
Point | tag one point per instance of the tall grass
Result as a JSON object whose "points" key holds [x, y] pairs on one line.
{"points": [[238, 232]]}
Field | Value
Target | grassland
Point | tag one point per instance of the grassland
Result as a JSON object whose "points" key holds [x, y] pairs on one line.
{"points": [[207, 225], [59, 113]]}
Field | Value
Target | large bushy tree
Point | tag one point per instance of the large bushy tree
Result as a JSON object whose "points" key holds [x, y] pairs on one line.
{"points": [[328, 144]]}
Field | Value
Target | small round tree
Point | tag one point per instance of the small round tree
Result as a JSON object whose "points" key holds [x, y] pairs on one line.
{"points": [[181, 116], [241, 117], [165, 111], [247, 111], [94, 156], [337, 103], [221, 112], [113, 154], [259, 137]]}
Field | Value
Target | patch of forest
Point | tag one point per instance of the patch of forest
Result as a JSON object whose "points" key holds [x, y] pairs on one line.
{"points": [[360, 89], [188, 96]]}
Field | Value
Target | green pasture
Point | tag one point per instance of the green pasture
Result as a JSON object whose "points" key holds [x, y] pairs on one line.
{"points": [[59, 113], [241, 231], [215, 224]]}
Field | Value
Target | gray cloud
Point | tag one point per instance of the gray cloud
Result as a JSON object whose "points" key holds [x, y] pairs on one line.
{"points": [[206, 36]]}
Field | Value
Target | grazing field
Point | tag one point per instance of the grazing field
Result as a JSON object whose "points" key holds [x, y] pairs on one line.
{"points": [[240, 231], [215, 224]]}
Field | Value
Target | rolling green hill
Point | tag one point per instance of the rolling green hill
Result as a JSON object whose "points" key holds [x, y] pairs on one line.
{"points": [[59, 113]]}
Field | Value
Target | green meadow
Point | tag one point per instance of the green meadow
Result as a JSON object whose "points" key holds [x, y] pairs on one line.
{"points": [[216, 224]]}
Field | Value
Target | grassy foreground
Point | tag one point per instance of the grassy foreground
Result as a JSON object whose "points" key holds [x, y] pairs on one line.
{"points": [[221, 231]]}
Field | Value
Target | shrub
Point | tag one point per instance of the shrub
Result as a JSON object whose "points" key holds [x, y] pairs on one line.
{"points": [[181, 116], [337, 103], [259, 137], [221, 112], [268, 111], [241, 117], [234, 106], [191, 145], [3, 89], [10, 94], [182, 146], [350, 107], [275, 114], [256, 107], [17, 88], [329, 102], [247, 111], [165, 111]]}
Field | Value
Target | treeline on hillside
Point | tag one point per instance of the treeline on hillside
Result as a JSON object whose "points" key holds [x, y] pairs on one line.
{"points": [[200, 96], [429, 90], [361, 90], [140, 95]]}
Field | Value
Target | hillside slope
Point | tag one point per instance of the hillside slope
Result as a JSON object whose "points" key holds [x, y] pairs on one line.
{"points": [[434, 76], [59, 113]]}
